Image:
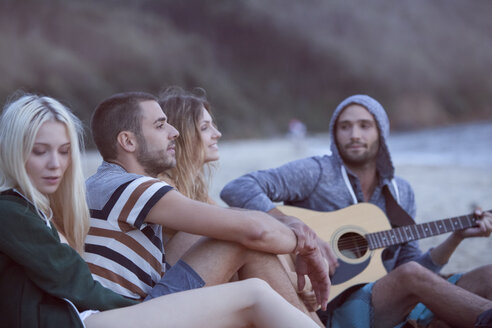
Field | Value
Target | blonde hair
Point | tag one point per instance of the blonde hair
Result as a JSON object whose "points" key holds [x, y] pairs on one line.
{"points": [[19, 125], [184, 111]]}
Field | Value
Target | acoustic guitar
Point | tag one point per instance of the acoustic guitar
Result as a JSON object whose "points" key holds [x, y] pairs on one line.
{"points": [[358, 235]]}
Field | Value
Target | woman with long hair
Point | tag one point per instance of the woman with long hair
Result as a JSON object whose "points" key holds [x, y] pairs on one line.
{"points": [[197, 153], [46, 283], [196, 148]]}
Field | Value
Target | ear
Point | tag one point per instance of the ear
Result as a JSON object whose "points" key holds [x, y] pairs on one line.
{"points": [[127, 141]]}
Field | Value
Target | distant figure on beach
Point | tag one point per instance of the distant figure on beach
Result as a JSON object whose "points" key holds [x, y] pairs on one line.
{"points": [[130, 207], [297, 133], [297, 129], [360, 170]]}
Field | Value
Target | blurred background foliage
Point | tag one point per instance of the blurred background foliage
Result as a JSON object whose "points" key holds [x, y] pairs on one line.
{"points": [[262, 62]]}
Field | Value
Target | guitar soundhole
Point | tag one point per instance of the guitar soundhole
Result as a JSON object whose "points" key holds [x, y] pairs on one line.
{"points": [[352, 245]]}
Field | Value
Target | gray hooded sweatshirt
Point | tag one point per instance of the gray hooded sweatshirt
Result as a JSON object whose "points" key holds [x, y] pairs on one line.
{"points": [[323, 183]]}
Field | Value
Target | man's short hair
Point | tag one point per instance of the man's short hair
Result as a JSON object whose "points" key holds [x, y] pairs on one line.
{"points": [[120, 112]]}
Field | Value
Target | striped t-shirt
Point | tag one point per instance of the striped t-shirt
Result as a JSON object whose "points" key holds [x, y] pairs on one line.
{"points": [[123, 252]]}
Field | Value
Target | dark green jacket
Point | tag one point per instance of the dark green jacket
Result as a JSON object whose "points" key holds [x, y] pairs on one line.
{"points": [[37, 272]]}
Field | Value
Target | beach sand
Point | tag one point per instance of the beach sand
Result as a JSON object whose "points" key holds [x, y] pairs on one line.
{"points": [[441, 192]]}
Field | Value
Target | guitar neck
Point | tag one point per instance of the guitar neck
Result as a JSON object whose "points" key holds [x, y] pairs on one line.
{"points": [[408, 233]]}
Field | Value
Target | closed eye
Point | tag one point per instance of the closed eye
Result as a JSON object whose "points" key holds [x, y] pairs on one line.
{"points": [[38, 152], [160, 123], [64, 150]]}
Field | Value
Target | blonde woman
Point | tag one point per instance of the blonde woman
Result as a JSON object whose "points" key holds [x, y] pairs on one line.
{"points": [[46, 282]]}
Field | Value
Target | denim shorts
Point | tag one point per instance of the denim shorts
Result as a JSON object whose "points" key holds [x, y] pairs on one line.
{"points": [[484, 320], [179, 278], [356, 311]]}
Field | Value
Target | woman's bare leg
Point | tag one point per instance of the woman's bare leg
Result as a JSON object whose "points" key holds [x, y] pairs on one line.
{"points": [[248, 303]]}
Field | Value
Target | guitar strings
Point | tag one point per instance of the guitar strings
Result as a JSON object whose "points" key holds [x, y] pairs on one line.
{"points": [[346, 242], [356, 243]]}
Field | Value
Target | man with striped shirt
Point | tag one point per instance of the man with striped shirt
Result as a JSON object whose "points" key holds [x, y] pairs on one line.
{"points": [[118, 229], [129, 207]]}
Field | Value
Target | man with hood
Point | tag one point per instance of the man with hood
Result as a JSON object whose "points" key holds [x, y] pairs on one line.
{"points": [[360, 169]]}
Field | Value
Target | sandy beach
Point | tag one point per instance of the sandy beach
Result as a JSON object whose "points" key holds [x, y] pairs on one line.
{"points": [[441, 191]]}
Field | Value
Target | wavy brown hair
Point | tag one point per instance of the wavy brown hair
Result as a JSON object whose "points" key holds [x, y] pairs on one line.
{"points": [[191, 176]]}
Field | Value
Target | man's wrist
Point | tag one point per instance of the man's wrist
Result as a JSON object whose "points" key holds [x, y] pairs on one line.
{"points": [[457, 237], [296, 249]]}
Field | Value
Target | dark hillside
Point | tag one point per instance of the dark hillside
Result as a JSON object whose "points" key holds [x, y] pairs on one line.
{"points": [[261, 62]]}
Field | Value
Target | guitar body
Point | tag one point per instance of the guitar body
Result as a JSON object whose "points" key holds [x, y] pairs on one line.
{"points": [[344, 230]]}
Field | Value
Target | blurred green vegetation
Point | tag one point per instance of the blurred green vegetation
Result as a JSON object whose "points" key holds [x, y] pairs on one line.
{"points": [[262, 62]]}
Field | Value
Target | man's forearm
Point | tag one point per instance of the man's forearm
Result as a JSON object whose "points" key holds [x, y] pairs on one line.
{"points": [[307, 240], [441, 254], [285, 219], [270, 235]]}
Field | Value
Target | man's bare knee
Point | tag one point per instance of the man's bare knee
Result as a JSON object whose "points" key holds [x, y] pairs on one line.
{"points": [[399, 290], [255, 256], [478, 281], [484, 272], [410, 273], [216, 261], [413, 277], [263, 265], [215, 247], [400, 283]]}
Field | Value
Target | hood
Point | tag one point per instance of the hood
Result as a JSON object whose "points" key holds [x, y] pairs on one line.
{"points": [[384, 162]]}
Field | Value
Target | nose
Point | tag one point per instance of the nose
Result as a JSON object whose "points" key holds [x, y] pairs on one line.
{"points": [[54, 161], [217, 134], [173, 133], [355, 133]]}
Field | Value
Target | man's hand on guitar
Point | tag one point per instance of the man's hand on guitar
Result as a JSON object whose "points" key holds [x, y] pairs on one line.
{"points": [[307, 239], [312, 264], [329, 255], [483, 228]]}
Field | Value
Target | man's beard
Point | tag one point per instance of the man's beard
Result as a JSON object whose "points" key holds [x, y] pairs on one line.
{"points": [[154, 162], [362, 159]]}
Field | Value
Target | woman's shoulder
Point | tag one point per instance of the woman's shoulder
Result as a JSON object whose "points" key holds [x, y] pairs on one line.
{"points": [[10, 201], [15, 209]]}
